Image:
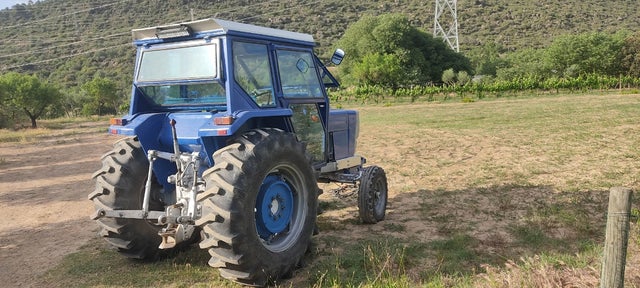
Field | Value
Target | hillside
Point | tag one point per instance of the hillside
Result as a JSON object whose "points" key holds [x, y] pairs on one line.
{"points": [[70, 41]]}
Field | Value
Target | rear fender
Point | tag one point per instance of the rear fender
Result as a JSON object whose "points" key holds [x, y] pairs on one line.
{"points": [[243, 119]]}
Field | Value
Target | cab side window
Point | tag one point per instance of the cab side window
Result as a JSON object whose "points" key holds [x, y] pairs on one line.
{"points": [[298, 74], [252, 72]]}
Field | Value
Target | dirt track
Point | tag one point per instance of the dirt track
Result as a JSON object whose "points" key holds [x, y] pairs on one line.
{"points": [[43, 195]]}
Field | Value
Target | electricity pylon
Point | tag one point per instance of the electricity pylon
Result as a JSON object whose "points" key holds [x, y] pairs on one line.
{"points": [[445, 24]]}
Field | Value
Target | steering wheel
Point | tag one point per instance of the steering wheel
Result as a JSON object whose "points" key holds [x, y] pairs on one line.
{"points": [[262, 97]]}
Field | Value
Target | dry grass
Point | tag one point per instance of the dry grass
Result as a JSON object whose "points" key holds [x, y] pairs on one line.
{"points": [[546, 271], [22, 136], [522, 178], [52, 128], [534, 272], [555, 141]]}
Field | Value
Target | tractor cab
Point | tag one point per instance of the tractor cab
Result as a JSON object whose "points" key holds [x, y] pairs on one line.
{"points": [[218, 78]]}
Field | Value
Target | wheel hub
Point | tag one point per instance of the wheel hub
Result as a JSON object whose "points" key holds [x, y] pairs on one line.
{"points": [[274, 207]]}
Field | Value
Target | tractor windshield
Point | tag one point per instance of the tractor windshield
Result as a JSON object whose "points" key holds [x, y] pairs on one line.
{"points": [[178, 63], [181, 75]]}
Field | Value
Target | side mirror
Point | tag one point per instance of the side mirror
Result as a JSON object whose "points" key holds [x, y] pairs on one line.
{"points": [[337, 57]]}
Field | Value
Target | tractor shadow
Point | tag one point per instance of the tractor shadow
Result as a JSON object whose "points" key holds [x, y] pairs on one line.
{"points": [[457, 232]]}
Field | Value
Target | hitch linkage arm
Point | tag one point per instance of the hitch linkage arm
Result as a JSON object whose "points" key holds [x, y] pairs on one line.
{"points": [[152, 155]]}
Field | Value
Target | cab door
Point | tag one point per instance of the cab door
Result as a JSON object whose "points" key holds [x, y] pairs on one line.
{"points": [[303, 93]]}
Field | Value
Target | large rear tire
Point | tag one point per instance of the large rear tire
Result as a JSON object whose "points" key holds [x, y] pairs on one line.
{"points": [[120, 186], [259, 207]]}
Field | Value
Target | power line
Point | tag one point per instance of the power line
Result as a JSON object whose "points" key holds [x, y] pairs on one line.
{"points": [[39, 6], [71, 25], [63, 57], [63, 15], [75, 23], [281, 10], [121, 45], [62, 45]]}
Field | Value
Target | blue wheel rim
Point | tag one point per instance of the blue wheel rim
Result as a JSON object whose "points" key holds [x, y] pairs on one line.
{"points": [[274, 207]]}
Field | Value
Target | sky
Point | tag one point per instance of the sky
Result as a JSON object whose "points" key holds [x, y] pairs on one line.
{"points": [[9, 3]]}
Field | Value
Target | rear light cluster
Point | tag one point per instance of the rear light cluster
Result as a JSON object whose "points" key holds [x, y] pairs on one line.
{"points": [[118, 121], [220, 121], [224, 120]]}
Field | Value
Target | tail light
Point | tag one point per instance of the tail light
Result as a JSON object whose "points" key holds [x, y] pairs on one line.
{"points": [[118, 121], [224, 120]]}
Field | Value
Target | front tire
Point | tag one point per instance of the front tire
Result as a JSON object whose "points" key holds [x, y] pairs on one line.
{"points": [[372, 195], [259, 207]]}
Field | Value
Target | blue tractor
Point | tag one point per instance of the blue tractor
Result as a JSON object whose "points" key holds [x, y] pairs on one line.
{"points": [[229, 133]]}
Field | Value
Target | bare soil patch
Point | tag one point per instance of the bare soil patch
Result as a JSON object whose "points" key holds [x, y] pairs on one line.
{"points": [[43, 195]]}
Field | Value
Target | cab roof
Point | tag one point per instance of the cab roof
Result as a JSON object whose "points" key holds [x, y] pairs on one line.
{"points": [[217, 27]]}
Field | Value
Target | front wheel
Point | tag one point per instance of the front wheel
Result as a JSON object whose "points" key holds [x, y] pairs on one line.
{"points": [[259, 207], [372, 195]]}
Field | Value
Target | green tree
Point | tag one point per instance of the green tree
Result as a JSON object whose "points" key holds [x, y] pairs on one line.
{"points": [[385, 70], [102, 95], [448, 76], [486, 59], [386, 50], [73, 101], [463, 78], [4, 115], [631, 55], [29, 94], [523, 63], [588, 53]]}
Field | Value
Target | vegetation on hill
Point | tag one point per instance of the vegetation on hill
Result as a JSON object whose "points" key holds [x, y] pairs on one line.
{"points": [[71, 43], [388, 51]]}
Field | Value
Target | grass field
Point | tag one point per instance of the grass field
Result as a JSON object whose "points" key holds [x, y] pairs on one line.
{"points": [[55, 128], [494, 193]]}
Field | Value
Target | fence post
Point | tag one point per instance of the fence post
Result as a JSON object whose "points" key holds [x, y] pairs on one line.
{"points": [[616, 238]]}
